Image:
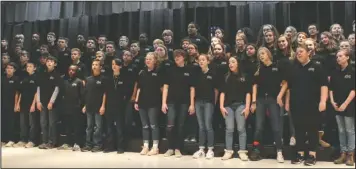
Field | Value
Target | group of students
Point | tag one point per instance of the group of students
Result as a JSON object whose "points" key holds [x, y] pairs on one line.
{"points": [[287, 73]]}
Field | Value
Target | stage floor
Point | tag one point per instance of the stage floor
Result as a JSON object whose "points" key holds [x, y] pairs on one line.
{"points": [[36, 158]]}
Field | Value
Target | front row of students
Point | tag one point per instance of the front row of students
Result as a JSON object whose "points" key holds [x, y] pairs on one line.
{"points": [[179, 92]]}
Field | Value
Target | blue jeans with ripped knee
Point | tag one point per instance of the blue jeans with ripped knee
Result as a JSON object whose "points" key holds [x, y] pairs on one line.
{"points": [[149, 119]]}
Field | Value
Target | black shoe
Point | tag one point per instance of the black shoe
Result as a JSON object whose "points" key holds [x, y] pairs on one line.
{"points": [[120, 151], [50, 146], [96, 149], [311, 160], [298, 159], [108, 150], [255, 155], [42, 146], [86, 149]]}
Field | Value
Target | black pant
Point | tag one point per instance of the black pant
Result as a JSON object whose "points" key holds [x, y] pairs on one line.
{"points": [[48, 120], [29, 126], [116, 129], [191, 126], [73, 123], [177, 114], [218, 124], [9, 124], [307, 125]]}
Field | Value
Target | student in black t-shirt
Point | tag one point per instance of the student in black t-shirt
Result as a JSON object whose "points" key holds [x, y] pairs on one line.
{"points": [[47, 92], [94, 107], [115, 117], [177, 101], [5, 59], [184, 44], [235, 101], [63, 55], [81, 72], [269, 87], [306, 100], [73, 119], [9, 106], [195, 37], [206, 90], [342, 96], [28, 116], [148, 102]]}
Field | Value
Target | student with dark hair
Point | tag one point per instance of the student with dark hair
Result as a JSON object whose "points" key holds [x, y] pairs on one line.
{"points": [[342, 96], [21, 73], [90, 53], [9, 106], [177, 100], [115, 117], [307, 97], [313, 32], [167, 36], [206, 86], [327, 49], [35, 48], [144, 46], [235, 99], [81, 71], [196, 38], [102, 42], [29, 128], [5, 59], [185, 43], [240, 46], [73, 119], [94, 107], [148, 101], [4, 46], [219, 33], [47, 93], [51, 43]]}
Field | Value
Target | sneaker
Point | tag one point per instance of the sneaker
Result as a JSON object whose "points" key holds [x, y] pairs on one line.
{"points": [[298, 159], [3, 144], [10, 144], [120, 151], [280, 157], [154, 151], [144, 151], [86, 148], [209, 154], [193, 140], [76, 147], [311, 160], [243, 155], [227, 155], [292, 141], [199, 154], [49, 146], [42, 146], [177, 153], [30, 145], [64, 147], [255, 154], [20, 144], [108, 150], [186, 140], [96, 149], [168, 153]]}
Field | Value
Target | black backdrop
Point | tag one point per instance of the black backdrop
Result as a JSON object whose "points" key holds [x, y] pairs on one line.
{"points": [[77, 17]]}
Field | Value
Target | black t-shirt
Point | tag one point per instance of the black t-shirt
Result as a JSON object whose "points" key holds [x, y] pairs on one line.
{"points": [[144, 49], [249, 67], [115, 93], [235, 88], [35, 54], [130, 73], [82, 72], [200, 41], [179, 79], [47, 82], [304, 83], [329, 58], [269, 80], [149, 83], [205, 83], [9, 87], [342, 82], [220, 66], [53, 50], [21, 73], [64, 60], [238, 54], [87, 58], [28, 89], [164, 67], [139, 62], [95, 88], [170, 48], [73, 92]]}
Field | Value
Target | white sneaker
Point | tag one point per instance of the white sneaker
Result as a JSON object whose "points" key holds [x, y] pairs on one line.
{"points": [[10, 144], [76, 147], [280, 157], [30, 145], [210, 154], [199, 154], [292, 141], [243, 155], [168, 153]]}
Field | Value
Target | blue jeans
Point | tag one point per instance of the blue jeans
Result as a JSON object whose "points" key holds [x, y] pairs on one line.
{"points": [[204, 111], [235, 113], [346, 127], [94, 135], [48, 121], [149, 119], [290, 122], [264, 104], [177, 113]]}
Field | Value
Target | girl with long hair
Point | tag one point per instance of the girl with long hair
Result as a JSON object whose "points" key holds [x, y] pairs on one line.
{"points": [[327, 48]]}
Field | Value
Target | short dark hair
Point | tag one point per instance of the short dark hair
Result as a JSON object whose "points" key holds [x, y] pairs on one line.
{"points": [[110, 43], [179, 52], [63, 38], [118, 61], [54, 59], [13, 64], [30, 62]]}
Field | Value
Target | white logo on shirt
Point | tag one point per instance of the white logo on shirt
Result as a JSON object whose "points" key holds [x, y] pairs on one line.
{"points": [[352, 62], [274, 69], [198, 40], [242, 79], [38, 50], [66, 54], [120, 82], [51, 77], [11, 81], [130, 70], [31, 81], [223, 63], [98, 82], [209, 77], [317, 62], [186, 74], [79, 69], [167, 64], [311, 69], [347, 77], [137, 60], [154, 74], [196, 64], [147, 49], [102, 70], [170, 50], [74, 84]]}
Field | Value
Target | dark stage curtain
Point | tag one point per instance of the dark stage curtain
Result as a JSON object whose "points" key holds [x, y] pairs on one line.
{"points": [[132, 18]]}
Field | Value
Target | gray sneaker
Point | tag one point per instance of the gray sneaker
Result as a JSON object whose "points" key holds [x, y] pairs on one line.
{"points": [[20, 144], [10, 144], [30, 145], [64, 147], [280, 157], [168, 153], [76, 147]]}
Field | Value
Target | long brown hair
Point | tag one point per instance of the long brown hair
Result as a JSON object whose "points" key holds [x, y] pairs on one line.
{"points": [[289, 50], [258, 57], [330, 46]]}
